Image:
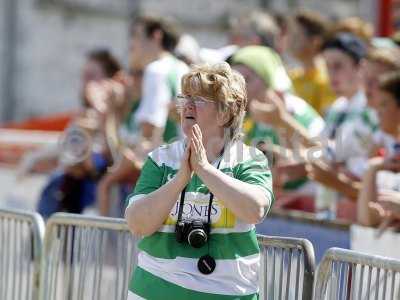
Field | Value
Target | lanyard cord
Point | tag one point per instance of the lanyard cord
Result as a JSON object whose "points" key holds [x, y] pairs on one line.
{"points": [[182, 202]]}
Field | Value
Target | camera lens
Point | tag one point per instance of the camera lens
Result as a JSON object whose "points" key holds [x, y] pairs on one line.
{"points": [[197, 238]]}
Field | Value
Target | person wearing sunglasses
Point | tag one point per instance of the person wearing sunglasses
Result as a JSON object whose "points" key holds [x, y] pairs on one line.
{"points": [[197, 199]]}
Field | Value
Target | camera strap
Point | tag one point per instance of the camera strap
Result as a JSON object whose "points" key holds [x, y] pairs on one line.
{"points": [[206, 264], [182, 200]]}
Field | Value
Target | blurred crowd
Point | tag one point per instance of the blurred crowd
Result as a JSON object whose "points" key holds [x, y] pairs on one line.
{"points": [[323, 106]]}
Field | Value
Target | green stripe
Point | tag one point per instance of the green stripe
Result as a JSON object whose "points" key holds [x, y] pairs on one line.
{"points": [[222, 246], [295, 184], [307, 117], [368, 120], [151, 287]]}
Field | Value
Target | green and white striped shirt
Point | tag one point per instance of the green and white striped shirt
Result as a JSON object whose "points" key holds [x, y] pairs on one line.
{"points": [[351, 124], [167, 269]]}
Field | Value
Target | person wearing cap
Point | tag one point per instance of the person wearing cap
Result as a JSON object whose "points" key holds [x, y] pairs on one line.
{"points": [[350, 127], [350, 122], [276, 115], [269, 91]]}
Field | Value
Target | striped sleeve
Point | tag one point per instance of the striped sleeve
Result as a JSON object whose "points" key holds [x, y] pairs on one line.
{"points": [[150, 179], [256, 171]]}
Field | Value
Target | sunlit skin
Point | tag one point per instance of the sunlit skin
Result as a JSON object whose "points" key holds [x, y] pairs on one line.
{"points": [[255, 86], [301, 45], [140, 48], [344, 73], [388, 112], [373, 70], [92, 71], [203, 113], [143, 48]]}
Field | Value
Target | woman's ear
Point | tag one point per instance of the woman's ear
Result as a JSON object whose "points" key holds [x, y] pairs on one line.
{"points": [[223, 118]]}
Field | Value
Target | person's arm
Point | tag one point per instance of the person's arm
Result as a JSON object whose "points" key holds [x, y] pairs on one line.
{"points": [[367, 215], [151, 132], [390, 201], [274, 112], [370, 211], [326, 175], [127, 170], [247, 201], [147, 212]]}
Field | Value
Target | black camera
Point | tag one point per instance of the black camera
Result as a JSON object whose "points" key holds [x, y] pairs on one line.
{"points": [[194, 232]]}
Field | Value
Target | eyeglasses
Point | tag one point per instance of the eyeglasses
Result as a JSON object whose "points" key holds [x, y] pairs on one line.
{"points": [[182, 101]]}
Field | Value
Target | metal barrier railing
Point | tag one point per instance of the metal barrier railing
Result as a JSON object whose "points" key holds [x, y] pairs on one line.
{"points": [[21, 235], [86, 258], [346, 274], [75, 258], [288, 266]]}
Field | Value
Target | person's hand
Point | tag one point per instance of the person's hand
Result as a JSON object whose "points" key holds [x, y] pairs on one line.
{"points": [[390, 201], [321, 172], [198, 156], [289, 171], [99, 95], [381, 163], [185, 172], [271, 111], [103, 196], [109, 95]]}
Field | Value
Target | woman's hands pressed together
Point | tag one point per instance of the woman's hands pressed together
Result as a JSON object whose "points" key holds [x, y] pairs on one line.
{"points": [[185, 172], [195, 157], [198, 155]]}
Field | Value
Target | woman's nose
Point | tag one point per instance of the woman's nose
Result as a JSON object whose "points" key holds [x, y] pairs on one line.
{"points": [[190, 105], [187, 108]]}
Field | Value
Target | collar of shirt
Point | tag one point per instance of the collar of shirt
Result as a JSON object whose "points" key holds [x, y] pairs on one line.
{"points": [[356, 103]]}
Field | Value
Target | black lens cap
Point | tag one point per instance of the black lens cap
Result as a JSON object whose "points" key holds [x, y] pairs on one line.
{"points": [[206, 264]]}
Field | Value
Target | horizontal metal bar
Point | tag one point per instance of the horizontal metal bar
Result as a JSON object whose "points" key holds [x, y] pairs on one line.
{"points": [[284, 242], [22, 215], [87, 221], [350, 256], [324, 271]]}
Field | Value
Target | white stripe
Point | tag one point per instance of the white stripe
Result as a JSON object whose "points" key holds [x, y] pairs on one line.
{"points": [[132, 296], [171, 154], [230, 277], [134, 198]]}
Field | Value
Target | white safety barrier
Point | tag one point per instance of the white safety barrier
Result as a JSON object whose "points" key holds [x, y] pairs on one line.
{"points": [[288, 266], [21, 236], [345, 274], [86, 258]]}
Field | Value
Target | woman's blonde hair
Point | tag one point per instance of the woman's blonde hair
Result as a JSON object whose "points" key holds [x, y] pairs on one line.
{"points": [[223, 85]]}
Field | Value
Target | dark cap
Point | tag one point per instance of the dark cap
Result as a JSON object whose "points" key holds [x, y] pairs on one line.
{"points": [[348, 43]]}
